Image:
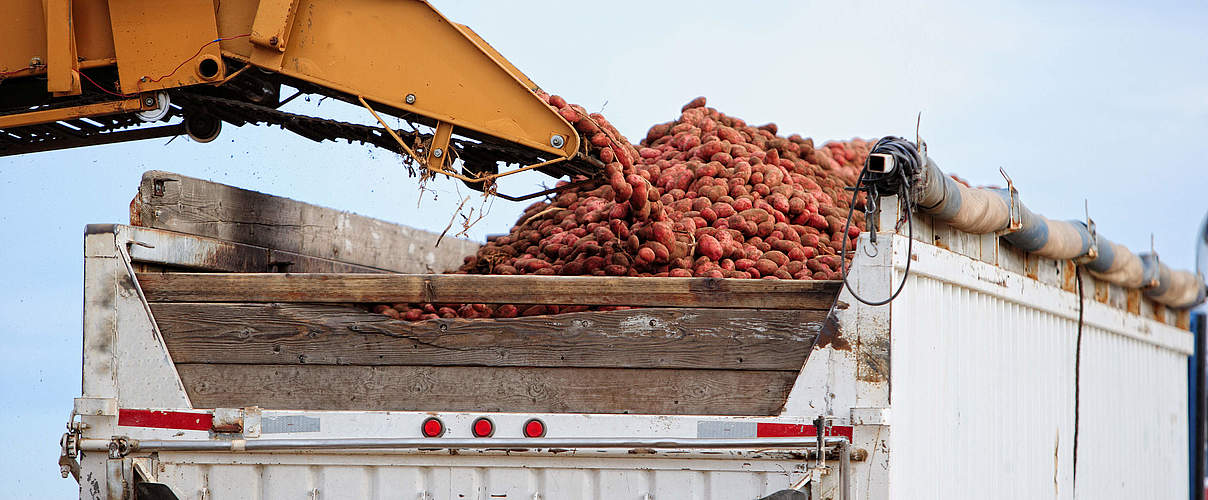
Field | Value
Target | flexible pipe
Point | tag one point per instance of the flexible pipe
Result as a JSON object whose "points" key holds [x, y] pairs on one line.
{"points": [[982, 211]]}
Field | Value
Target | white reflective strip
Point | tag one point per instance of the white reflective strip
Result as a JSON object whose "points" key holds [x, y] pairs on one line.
{"points": [[724, 429], [289, 423]]}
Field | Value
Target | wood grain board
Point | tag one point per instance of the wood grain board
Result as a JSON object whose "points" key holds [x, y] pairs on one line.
{"points": [[511, 389], [318, 334], [461, 288], [195, 206]]}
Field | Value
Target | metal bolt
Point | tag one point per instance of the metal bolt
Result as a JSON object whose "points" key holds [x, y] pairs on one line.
{"points": [[556, 141], [437, 153], [36, 61], [272, 41], [410, 99], [149, 101]]}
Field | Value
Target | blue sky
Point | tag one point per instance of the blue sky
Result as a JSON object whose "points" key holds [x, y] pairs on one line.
{"points": [[1105, 102]]}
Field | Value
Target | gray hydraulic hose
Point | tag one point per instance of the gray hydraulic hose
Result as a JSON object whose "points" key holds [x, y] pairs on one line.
{"points": [[1177, 289], [982, 211], [976, 211], [1115, 263]]}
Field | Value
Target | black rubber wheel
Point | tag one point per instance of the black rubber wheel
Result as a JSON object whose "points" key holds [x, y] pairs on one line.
{"points": [[202, 127]]}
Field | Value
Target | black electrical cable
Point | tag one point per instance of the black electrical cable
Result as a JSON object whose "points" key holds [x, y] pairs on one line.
{"points": [[1077, 369], [903, 157]]}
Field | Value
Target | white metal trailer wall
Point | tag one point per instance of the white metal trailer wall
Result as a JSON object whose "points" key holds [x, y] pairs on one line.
{"points": [[982, 386], [470, 477], [1132, 441]]}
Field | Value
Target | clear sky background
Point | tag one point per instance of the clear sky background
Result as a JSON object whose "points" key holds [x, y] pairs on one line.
{"points": [[1105, 102]]}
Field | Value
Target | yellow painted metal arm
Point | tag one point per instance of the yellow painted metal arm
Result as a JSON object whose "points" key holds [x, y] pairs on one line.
{"points": [[402, 55], [406, 55]]}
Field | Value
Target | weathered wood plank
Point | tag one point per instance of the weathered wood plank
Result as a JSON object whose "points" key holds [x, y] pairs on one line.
{"points": [[489, 289], [179, 250], [510, 389], [179, 203], [742, 339]]}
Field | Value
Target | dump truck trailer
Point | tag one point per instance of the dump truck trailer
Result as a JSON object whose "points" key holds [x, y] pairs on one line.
{"points": [[228, 354]]}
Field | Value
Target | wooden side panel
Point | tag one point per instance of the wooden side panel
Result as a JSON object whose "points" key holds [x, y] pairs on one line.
{"points": [[268, 334], [176, 251], [511, 389], [490, 289], [194, 206]]}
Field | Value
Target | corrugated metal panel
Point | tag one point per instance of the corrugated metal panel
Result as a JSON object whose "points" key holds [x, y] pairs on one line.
{"points": [[982, 391], [1133, 437], [265, 477]]}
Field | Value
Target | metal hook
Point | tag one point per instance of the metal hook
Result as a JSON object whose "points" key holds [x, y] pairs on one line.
{"points": [[1092, 253], [1014, 213]]}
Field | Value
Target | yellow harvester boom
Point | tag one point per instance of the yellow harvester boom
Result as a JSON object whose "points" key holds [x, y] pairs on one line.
{"points": [[120, 62]]}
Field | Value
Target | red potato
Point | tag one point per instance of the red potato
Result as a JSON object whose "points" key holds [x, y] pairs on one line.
{"points": [[708, 246], [704, 195], [699, 102]]}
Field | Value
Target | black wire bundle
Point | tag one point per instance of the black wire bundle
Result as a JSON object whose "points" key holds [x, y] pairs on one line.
{"points": [[907, 161]]}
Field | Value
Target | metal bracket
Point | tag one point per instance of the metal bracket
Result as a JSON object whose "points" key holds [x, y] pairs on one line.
{"points": [[251, 422], [869, 416], [438, 151], [228, 420], [1157, 264], [1092, 253], [1015, 214], [95, 406], [270, 29]]}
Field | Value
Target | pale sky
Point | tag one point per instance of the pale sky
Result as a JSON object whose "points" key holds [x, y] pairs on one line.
{"points": [[1102, 102]]}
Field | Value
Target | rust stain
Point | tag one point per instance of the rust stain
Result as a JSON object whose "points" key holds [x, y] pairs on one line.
{"points": [[831, 335], [136, 216], [873, 360], [227, 427], [939, 242], [1031, 266], [1068, 281], [1183, 319], [1133, 298]]}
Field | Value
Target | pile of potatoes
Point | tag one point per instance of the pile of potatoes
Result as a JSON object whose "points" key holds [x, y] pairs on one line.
{"points": [[706, 195]]}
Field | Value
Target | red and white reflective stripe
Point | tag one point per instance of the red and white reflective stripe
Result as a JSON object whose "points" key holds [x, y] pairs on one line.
{"points": [[165, 419], [747, 429], [768, 429]]}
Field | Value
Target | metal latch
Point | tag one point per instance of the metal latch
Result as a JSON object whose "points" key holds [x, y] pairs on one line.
{"points": [[244, 421], [68, 451]]}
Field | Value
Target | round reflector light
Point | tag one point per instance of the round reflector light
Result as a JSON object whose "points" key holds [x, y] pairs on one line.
{"points": [[432, 427], [534, 428], [483, 427]]}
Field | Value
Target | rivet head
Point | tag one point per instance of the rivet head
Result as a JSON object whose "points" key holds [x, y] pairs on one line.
{"points": [[556, 141], [410, 99]]}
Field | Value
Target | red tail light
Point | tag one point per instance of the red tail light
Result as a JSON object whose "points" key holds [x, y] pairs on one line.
{"points": [[534, 428], [432, 427], [483, 427]]}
